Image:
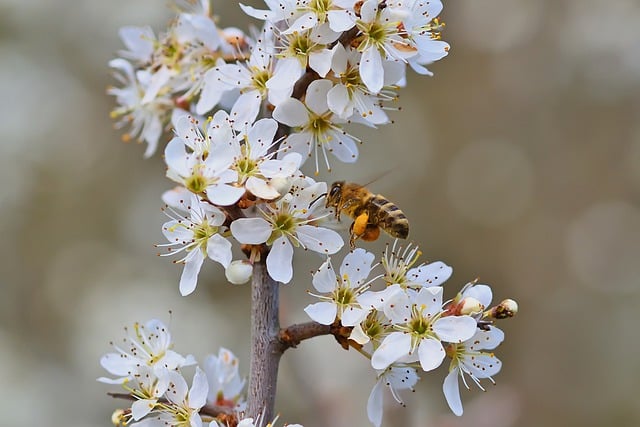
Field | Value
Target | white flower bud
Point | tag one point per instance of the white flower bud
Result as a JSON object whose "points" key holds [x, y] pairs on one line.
{"points": [[239, 272], [281, 184], [470, 305]]}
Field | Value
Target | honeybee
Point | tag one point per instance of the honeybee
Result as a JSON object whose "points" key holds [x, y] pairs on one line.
{"points": [[370, 212]]}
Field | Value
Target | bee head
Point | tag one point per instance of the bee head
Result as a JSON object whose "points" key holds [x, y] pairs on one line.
{"points": [[333, 197]]}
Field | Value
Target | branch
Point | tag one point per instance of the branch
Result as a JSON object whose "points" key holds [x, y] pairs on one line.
{"points": [[265, 345], [293, 335]]}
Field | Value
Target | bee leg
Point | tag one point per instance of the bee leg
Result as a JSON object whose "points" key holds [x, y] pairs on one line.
{"points": [[371, 233], [358, 227]]}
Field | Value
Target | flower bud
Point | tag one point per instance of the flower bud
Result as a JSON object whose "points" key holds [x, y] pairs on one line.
{"points": [[281, 184], [507, 308], [470, 305], [239, 272]]}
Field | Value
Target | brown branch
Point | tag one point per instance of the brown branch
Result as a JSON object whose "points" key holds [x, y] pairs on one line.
{"points": [[293, 335], [265, 345]]}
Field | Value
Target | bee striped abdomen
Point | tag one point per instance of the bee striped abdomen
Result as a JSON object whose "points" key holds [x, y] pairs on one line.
{"points": [[388, 216]]}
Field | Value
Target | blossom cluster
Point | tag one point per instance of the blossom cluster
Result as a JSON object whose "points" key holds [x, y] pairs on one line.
{"points": [[246, 113], [314, 67], [150, 371], [406, 326], [354, 54]]}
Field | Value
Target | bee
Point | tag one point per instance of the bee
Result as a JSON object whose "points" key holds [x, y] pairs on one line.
{"points": [[370, 212]]}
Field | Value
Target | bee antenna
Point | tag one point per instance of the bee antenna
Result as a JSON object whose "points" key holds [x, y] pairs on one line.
{"points": [[316, 199]]}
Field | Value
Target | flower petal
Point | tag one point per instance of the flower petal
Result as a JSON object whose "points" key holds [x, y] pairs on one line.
{"points": [[279, 260], [251, 231], [324, 280], [189, 278], [219, 250], [322, 312], [455, 328], [431, 354], [319, 239], [392, 348], [451, 391]]}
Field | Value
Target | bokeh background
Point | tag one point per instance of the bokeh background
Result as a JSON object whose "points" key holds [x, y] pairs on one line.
{"points": [[518, 163]]}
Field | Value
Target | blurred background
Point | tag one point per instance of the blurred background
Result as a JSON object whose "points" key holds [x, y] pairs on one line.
{"points": [[518, 163]]}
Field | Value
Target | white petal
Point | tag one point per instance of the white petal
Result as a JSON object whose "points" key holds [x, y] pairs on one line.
{"points": [[199, 389], [261, 188], [324, 280], [455, 328], [340, 20], [358, 335], [371, 70], [211, 93], [397, 306], [322, 312], [431, 298], [316, 98], [301, 143], [286, 73], [260, 136], [319, 239], [291, 112], [116, 364], [302, 23], [451, 391], [142, 407], [357, 266], [224, 195], [434, 274], [484, 365], [338, 101], [431, 354], [189, 277], [392, 348], [279, 260], [176, 157], [245, 110], [482, 293], [251, 231], [219, 250], [179, 389], [375, 404], [368, 10], [320, 62], [343, 147], [353, 316]]}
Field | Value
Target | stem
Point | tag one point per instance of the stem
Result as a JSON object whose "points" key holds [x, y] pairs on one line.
{"points": [[265, 345]]}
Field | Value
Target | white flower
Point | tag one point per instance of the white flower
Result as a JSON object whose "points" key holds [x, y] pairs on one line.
{"points": [[261, 78], [201, 165], [315, 127], [380, 40], [351, 95], [421, 327], [198, 235], [396, 378], [398, 264], [254, 164], [287, 223], [225, 383], [184, 404], [467, 358], [145, 117], [344, 290], [423, 29], [146, 345], [140, 42]]}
